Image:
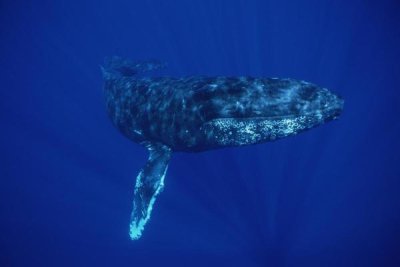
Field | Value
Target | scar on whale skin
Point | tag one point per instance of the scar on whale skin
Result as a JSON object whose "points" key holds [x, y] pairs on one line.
{"points": [[197, 113]]}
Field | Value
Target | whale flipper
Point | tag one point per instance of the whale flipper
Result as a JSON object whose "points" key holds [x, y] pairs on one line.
{"points": [[149, 183]]}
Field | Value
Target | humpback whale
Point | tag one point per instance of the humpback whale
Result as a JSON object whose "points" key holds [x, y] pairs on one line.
{"points": [[198, 113]]}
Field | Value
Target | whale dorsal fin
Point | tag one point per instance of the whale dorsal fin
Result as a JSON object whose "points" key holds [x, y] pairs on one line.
{"points": [[116, 67], [149, 183]]}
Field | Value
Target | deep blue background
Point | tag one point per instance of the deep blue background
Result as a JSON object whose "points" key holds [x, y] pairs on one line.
{"points": [[327, 197]]}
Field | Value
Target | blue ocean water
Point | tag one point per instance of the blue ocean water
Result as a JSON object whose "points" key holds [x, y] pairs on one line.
{"points": [[326, 197]]}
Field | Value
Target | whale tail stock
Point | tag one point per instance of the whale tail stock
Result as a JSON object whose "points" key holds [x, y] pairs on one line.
{"points": [[116, 67], [149, 183]]}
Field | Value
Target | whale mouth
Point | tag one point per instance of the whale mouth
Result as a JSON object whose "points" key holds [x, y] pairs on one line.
{"points": [[326, 106], [330, 112], [326, 114], [239, 131]]}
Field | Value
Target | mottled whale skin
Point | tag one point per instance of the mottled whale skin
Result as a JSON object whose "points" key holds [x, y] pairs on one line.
{"points": [[194, 114]]}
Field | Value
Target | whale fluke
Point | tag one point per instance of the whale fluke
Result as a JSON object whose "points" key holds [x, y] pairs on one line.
{"points": [[116, 67]]}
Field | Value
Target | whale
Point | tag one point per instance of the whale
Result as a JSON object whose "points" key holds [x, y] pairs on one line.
{"points": [[199, 113]]}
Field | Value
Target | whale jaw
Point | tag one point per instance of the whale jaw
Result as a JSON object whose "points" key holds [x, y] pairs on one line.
{"points": [[227, 132]]}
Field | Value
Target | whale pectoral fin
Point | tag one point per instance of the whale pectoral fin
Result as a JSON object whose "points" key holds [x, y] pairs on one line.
{"points": [[149, 184]]}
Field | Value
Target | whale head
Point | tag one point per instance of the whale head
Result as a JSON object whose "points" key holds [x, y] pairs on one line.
{"points": [[267, 109]]}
